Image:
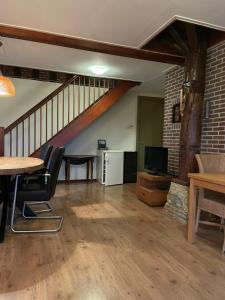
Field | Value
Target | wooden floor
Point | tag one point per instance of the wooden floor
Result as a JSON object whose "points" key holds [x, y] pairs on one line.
{"points": [[112, 247]]}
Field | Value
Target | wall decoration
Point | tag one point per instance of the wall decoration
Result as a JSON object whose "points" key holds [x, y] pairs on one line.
{"points": [[176, 113]]}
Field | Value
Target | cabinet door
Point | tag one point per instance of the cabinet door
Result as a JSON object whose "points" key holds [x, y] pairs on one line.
{"points": [[114, 168]]}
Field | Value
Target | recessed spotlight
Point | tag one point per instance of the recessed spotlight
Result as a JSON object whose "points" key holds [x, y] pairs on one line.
{"points": [[98, 70]]}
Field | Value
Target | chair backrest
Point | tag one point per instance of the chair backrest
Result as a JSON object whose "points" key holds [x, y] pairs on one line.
{"points": [[55, 162], [211, 163], [45, 152]]}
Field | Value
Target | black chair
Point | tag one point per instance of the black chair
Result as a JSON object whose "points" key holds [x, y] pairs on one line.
{"points": [[45, 153], [39, 192]]}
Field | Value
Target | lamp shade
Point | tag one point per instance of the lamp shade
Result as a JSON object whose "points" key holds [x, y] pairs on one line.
{"points": [[7, 88]]}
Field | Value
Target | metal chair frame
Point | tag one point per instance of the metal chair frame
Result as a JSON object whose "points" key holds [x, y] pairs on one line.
{"points": [[12, 225]]}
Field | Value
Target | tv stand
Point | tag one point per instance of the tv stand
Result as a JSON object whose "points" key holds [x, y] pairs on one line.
{"points": [[152, 189]]}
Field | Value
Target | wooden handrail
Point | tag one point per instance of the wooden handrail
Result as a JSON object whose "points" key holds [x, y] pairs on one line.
{"points": [[91, 113], [47, 119], [41, 103]]}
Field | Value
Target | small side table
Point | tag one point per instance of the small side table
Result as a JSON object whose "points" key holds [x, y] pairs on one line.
{"points": [[152, 189], [79, 160]]}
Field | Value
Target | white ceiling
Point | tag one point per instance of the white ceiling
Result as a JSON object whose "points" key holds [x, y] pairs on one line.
{"points": [[49, 57], [125, 22]]}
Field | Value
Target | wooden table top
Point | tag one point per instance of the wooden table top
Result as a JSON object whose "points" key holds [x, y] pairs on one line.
{"points": [[19, 165], [217, 178]]}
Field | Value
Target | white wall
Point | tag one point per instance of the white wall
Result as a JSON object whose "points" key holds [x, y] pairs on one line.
{"points": [[28, 93], [117, 126]]}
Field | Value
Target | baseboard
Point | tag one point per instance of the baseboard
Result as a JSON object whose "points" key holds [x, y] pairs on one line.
{"points": [[77, 181]]}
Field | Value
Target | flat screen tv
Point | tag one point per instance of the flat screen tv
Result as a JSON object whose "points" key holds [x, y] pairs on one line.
{"points": [[156, 159]]}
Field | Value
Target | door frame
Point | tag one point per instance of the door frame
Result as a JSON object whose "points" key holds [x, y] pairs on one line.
{"points": [[139, 99]]}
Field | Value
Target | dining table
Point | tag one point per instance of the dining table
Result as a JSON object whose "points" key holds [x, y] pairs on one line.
{"points": [[9, 168], [210, 181]]}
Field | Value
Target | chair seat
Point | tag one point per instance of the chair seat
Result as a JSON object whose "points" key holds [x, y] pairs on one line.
{"points": [[213, 203], [34, 191]]}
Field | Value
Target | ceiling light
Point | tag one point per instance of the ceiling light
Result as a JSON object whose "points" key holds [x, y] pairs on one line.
{"points": [[7, 88], [98, 70]]}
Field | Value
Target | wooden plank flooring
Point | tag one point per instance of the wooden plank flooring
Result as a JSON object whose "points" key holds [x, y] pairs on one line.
{"points": [[111, 247]]}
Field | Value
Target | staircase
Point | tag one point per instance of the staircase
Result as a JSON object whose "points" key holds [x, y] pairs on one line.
{"points": [[63, 114]]}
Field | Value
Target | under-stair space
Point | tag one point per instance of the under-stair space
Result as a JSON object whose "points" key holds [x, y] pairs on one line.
{"points": [[63, 114]]}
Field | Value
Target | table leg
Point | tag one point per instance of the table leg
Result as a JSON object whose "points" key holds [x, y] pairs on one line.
{"points": [[5, 186], [192, 211], [92, 162], [88, 167], [67, 170]]}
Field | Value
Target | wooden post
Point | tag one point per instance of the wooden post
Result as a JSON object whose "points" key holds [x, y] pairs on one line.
{"points": [[2, 141], [191, 120]]}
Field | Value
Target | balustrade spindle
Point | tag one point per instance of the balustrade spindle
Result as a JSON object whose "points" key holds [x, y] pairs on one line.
{"points": [[99, 87], [94, 89], [73, 100], [52, 118], [28, 138], [10, 143], [84, 102], [35, 123], [17, 140], [89, 92], [104, 85], [40, 126], [79, 96], [57, 112], [46, 124], [23, 138], [68, 104], [63, 110]]}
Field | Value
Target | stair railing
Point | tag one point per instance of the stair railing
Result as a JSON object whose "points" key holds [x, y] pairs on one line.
{"points": [[39, 124]]}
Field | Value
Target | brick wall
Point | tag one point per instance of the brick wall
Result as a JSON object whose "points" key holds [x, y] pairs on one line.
{"points": [[171, 131], [213, 128]]}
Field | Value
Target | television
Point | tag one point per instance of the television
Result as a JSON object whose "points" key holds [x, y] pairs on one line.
{"points": [[156, 159]]}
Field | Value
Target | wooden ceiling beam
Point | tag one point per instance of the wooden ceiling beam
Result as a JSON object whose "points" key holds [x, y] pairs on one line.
{"points": [[178, 39], [192, 36], [173, 45], [87, 45], [34, 74], [52, 76]]}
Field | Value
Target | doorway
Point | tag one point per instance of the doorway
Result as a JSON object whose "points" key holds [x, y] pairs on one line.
{"points": [[150, 112]]}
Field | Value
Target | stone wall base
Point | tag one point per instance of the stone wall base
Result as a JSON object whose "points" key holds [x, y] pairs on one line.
{"points": [[177, 202]]}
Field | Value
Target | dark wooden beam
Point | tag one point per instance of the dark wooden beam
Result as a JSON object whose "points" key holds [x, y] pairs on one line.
{"points": [[76, 43], [215, 37], [51, 76], [34, 74], [192, 36], [163, 45], [191, 119], [178, 39]]}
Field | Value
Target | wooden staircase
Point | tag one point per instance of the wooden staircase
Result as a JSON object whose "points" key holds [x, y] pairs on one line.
{"points": [[62, 115]]}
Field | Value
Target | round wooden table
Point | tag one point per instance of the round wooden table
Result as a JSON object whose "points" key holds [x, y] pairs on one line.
{"points": [[10, 166]]}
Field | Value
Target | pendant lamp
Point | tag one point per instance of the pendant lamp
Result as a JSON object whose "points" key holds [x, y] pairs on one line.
{"points": [[7, 88]]}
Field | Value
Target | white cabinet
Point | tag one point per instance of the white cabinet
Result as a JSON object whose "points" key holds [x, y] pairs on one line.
{"points": [[110, 167]]}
